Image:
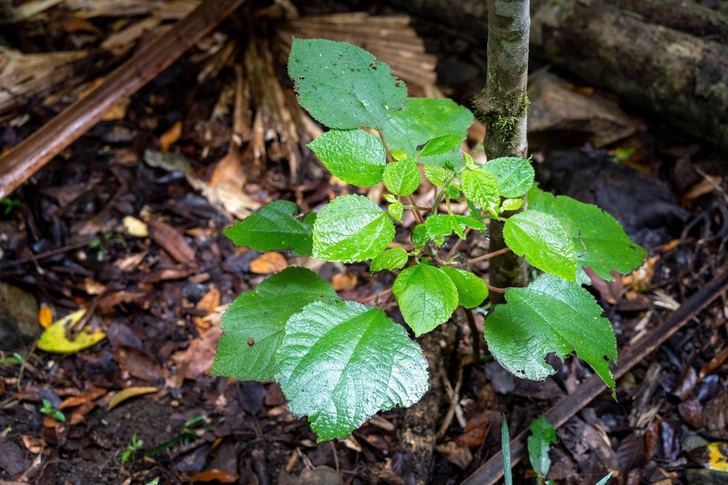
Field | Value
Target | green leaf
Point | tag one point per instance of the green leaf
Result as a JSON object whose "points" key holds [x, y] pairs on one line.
{"points": [[436, 174], [423, 119], [396, 210], [343, 362], [440, 226], [511, 204], [550, 315], [426, 297], [514, 175], [420, 236], [472, 290], [604, 480], [543, 240], [599, 240], [351, 228], [355, 156], [506, 452], [542, 434], [342, 85], [440, 145], [398, 154], [278, 226], [402, 178], [453, 191], [254, 324], [390, 259], [481, 187]]}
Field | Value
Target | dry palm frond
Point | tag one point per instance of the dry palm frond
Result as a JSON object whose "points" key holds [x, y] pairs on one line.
{"points": [[26, 76]]}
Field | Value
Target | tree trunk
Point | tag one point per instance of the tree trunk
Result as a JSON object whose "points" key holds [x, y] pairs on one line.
{"points": [[502, 107], [668, 57]]}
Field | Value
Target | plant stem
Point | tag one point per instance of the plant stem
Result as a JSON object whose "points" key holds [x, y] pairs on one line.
{"points": [[375, 296], [441, 194], [495, 289], [489, 255], [415, 212], [386, 148]]}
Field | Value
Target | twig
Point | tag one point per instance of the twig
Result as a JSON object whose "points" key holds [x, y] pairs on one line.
{"points": [[454, 395], [489, 255], [47, 254], [387, 301], [40, 147], [375, 296], [494, 289], [489, 473]]}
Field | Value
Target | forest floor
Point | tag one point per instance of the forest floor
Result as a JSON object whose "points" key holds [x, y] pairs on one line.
{"points": [[127, 223]]}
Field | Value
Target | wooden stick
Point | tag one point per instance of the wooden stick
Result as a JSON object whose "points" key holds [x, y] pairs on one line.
{"points": [[40, 147], [562, 411]]}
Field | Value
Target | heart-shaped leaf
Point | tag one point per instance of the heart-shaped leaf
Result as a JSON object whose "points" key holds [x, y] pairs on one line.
{"points": [[472, 290], [426, 297], [355, 156]]}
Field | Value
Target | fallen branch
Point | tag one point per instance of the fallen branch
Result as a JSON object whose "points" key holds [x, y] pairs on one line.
{"points": [[39, 148], [489, 473]]}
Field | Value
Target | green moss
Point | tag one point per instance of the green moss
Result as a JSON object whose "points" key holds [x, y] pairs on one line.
{"points": [[502, 119]]}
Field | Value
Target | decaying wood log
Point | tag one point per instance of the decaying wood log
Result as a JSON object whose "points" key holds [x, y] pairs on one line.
{"points": [[39, 148], [663, 56]]}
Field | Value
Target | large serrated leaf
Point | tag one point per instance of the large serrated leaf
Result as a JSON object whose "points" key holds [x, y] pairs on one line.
{"points": [[254, 324], [342, 85], [544, 242], [550, 315], [402, 178], [598, 238], [436, 174], [390, 259], [423, 119], [278, 226], [472, 290], [514, 175], [355, 156], [426, 297], [481, 187], [351, 228], [341, 363]]}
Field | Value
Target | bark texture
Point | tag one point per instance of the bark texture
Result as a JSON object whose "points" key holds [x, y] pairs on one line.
{"points": [[668, 57], [502, 107]]}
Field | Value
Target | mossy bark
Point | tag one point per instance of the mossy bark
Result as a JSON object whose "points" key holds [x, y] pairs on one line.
{"points": [[503, 107]]}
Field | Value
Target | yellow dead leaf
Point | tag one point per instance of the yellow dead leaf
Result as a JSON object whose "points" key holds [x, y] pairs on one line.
{"points": [[135, 227], [54, 338], [45, 316], [268, 263], [344, 281], [170, 136], [129, 392]]}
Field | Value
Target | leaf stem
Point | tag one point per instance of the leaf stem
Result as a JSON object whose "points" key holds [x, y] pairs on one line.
{"points": [[489, 255], [386, 148], [495, 289], [441, 194], [415, 212]]}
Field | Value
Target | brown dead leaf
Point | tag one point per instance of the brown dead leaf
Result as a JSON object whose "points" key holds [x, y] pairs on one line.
{"points": [[170, 136], [196, 361], [344, 281], [214, 475], [207, 304], [130, 262], [75, 401], [457, 455], [229, 170], [705, 186], [171, 241], [139, 364], [714, 363], [34, 445], [128, 393], [475, 431], [268, 263]]}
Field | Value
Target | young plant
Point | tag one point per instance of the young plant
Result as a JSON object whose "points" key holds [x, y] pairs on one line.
{"points": [[131, 450], [52, 411], [339, 362], [539, 444]]}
